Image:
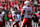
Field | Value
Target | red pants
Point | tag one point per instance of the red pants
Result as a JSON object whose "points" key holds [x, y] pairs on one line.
{"points": [[1, 24], [27, 22]]}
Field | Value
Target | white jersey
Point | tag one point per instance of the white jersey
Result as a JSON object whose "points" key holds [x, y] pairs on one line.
{"points": [[1, 16], [28, 12]]}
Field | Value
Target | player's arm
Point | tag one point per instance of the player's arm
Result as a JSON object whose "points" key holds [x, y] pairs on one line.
{"points": [[22, 12]]}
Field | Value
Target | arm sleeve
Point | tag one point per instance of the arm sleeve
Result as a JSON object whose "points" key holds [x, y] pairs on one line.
{"points": [[23, 11]]}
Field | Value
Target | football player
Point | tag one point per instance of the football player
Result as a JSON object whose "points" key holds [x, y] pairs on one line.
{"points": [[27, 11]]}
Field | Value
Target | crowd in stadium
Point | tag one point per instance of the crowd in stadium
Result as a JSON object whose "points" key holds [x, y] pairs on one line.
{"points": [[11, 10]]}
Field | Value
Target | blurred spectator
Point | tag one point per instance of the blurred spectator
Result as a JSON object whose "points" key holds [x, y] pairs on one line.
{"points": [[1, 20], [35, 3], [10, 15]]}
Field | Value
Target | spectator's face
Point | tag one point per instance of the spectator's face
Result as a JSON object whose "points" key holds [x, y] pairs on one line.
{"points": [[31, 2]]}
